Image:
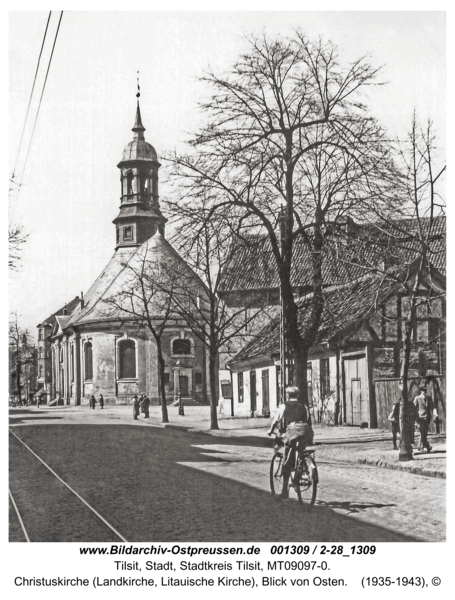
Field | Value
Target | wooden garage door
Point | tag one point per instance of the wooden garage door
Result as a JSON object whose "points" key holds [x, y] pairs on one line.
{"points": [[355, 385]]}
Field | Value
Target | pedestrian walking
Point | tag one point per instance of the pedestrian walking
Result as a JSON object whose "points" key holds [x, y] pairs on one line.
{"points": [[425, 410], [101, 401], [92, 401], [394, 419], [145, 404], [38, 400], [135, 407]]}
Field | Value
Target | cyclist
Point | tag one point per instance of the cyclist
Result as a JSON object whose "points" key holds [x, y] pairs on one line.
{"points": [[295, 415]]}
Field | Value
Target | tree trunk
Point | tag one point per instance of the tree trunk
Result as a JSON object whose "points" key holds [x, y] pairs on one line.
{"points": [[161, 385], [213, 390], [406, 409]]}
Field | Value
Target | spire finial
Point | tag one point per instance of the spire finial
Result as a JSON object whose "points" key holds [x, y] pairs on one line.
{"points": [[138, 127]]}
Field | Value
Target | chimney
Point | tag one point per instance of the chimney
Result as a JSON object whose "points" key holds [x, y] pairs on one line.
{"points": [[65, 311], [82, 300]]}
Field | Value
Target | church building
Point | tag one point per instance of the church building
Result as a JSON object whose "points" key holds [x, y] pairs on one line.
{"points": [[99, 349]]}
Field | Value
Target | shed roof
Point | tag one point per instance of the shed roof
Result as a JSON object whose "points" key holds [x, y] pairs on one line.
{"points": [[253, 267]]}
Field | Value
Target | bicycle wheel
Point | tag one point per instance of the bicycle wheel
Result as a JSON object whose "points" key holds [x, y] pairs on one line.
{"points": [[306, 481], [276, 476]]}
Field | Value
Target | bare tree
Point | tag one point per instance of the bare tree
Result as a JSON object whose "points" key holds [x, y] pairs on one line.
{"points": [[16, 239], [404, 252], [205, 244], [426, 205], [287, 122], [153, 288], [22, 356]]}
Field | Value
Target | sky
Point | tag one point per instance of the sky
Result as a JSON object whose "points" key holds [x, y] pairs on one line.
{"points": [[70, 190]]}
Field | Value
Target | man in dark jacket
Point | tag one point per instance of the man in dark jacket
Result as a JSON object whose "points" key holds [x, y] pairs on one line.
{"points": [[145, 404], [92, 401], [135, 407], [295, 415], [425, 410], [101, 401]]}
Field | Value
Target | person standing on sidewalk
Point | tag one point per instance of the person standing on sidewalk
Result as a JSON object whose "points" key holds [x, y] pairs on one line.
{"points": [[425, 409], [145, 403], [101, 401], [135, 407], [92, 401], [394, 418]]}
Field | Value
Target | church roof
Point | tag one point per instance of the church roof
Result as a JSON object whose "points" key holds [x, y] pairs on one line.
{"points": [[119, 275]]}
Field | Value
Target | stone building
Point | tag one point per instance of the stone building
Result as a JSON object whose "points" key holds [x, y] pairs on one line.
{"points": [[100, 349], [44, 349]]}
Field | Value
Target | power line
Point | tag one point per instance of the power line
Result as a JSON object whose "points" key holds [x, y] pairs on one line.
{"points": [[41, 97], [31, 93]]}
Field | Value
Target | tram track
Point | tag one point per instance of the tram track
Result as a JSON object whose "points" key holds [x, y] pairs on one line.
{"points": [[32, 492]]}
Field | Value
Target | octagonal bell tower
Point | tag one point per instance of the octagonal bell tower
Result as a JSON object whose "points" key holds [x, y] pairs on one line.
{"points": [[140, 216]]}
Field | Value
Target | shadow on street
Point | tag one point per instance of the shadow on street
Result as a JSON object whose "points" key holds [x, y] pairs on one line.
{"points": [[132, 476]]}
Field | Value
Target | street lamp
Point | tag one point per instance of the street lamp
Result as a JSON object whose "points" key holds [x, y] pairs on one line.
{"points": [[179, 395]]}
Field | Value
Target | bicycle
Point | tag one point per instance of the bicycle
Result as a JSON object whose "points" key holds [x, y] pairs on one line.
{"points": [[304, 473]]}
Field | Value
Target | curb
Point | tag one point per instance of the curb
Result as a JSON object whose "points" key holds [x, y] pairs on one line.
{"points": [[400, 467]]}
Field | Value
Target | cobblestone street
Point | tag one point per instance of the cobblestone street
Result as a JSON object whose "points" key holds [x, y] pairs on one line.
{"points": [[156, 484]]}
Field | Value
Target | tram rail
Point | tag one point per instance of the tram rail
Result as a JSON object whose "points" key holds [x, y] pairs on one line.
{"points": [[78, 496]]}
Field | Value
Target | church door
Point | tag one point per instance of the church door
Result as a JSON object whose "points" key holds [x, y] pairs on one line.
{"points": [[183, 386]]}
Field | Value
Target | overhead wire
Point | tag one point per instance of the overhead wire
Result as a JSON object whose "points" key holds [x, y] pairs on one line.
{"points": [[31, 95], [41, 97]]}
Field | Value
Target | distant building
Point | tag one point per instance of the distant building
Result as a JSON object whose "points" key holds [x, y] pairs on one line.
{"points": [[94, 349], [22, 369], [44, 349]]}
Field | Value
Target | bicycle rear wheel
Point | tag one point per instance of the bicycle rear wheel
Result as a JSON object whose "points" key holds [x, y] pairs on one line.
{"points": [[276, 476], [306, 481]]}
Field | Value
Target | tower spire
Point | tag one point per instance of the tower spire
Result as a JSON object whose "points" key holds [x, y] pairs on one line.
{"points": [[138, 127]]}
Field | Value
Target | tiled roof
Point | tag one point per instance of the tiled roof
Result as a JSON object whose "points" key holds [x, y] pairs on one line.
{"points": [[253, 266], [69, 307], [344, 307]]}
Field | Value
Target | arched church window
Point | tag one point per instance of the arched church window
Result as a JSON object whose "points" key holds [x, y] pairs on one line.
{"points": [[41, 353], [181, 346], [127, 359], [88, 361], [128, 233], [130, 183]]}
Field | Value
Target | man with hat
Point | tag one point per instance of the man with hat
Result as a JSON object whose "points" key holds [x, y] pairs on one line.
{"points": [[295, 415], [425, 409], [135, 407]]}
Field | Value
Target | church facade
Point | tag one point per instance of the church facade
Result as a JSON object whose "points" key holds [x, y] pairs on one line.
{"points": [[98, 348]]}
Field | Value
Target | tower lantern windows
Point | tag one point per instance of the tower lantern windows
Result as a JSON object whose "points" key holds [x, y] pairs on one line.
{"points": [[144, 183], [130, 184]]}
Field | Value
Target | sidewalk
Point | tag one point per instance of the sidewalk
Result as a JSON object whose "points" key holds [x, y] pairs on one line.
{"points": [[337, 444], [341, 444]]}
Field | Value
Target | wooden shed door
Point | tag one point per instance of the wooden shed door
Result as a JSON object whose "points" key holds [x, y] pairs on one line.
{"points": [[253, 389], [355, 386], [265, 391]]}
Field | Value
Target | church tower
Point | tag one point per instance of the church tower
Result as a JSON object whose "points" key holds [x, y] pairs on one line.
{"points": [[140, 216]]}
